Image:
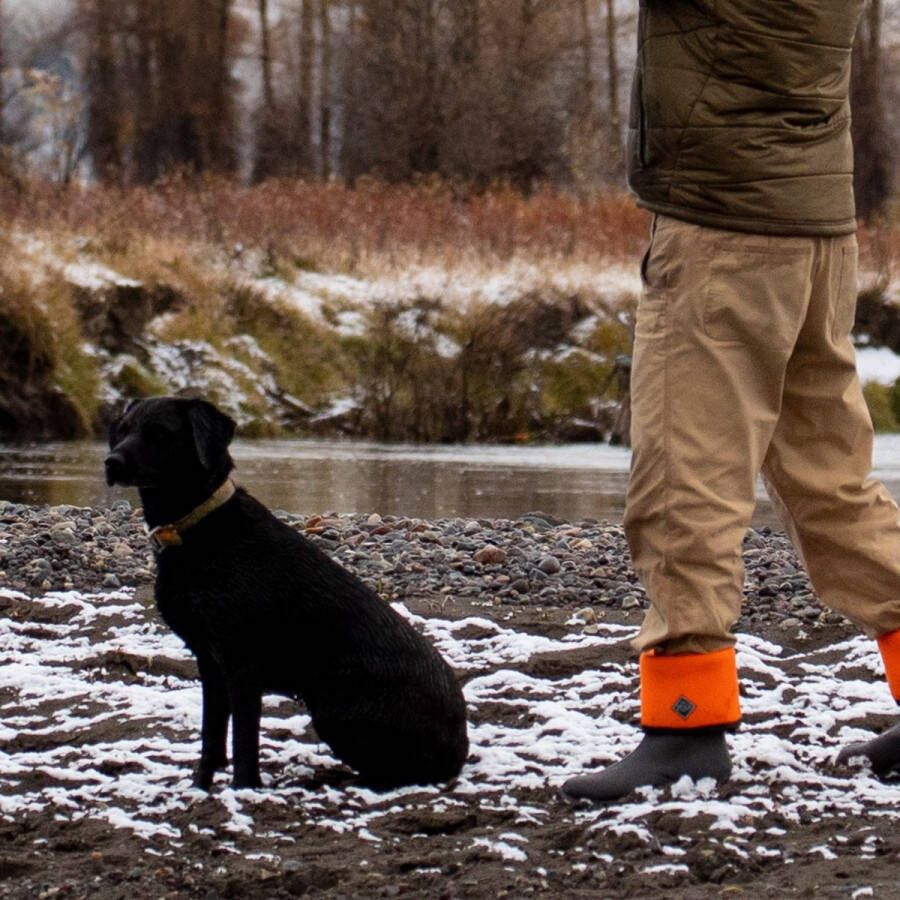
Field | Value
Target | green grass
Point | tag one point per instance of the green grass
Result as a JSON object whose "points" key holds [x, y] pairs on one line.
{"points": [[881, 403]]}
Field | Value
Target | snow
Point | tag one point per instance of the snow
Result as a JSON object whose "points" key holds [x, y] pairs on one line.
{"points": [[458, 287], [137, 776], [93, 276], [879, 364], [502, 848]]}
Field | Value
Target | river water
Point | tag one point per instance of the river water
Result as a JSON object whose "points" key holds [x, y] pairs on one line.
{"points": [[569, 481]]}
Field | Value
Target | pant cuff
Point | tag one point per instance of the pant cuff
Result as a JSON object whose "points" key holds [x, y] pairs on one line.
{"points": [[889, 645], [692, 690]]}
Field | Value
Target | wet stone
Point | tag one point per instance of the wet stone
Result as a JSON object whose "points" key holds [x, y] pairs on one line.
{"points": [[549, 565]]}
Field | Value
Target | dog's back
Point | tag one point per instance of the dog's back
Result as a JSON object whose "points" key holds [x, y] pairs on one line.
{"points": [[260, 598]]}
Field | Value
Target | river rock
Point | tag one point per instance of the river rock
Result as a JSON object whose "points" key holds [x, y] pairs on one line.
{"points": [[586, 614], [490, 555], [549, 565], [63, 535]]}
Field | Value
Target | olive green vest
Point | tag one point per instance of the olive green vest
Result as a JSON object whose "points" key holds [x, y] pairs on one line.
{"points": [[740, 117]]}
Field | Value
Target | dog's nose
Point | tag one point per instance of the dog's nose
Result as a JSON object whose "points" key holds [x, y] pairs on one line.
{"points": [[115, 468]]}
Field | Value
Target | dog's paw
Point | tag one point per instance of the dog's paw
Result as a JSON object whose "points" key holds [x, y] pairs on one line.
{"points": [[205, 771], [203, 778], [245, 781]]}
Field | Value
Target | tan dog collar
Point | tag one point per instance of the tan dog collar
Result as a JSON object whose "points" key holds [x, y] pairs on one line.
{"points": [[170, 535]]}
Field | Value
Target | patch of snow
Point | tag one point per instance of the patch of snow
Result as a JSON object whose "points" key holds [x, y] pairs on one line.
{"points": [[338, 408], [667, 868], [553, 728], [503, 849], [92, 276], [879, 364], [297, 298]]}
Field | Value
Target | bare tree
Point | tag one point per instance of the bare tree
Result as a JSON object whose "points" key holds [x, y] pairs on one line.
{"points": [[2, 79], [325, 77], [104, 103], [265, 56], [305, 86], [159, 86], [872, 150], [614, 122], [268, 137]]}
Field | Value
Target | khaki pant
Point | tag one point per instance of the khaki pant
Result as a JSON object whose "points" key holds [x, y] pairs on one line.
{"points": [[743, 364]]}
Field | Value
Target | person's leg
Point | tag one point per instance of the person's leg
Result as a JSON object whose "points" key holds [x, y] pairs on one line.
{"points": [[716, 327], [845, 525]]}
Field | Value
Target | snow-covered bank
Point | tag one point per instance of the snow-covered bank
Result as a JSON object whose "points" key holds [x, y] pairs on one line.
{"points": [[420, 353], [507, 351]]}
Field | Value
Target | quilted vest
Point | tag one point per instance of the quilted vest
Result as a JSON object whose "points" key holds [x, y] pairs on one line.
{"points": [[740, 117]]}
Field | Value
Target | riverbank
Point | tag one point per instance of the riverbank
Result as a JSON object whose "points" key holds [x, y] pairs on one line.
{"points": [[396, 313], [101, 711], [391, 313]]}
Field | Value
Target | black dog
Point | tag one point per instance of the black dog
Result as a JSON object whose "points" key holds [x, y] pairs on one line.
{"points": [[265, 611]]}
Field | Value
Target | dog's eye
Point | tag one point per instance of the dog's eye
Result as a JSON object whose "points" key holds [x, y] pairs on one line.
{"points": [[154, 432]]}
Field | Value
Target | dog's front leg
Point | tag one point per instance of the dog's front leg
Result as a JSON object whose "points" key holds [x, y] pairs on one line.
{"points": [[246, 705], [214, 731]]}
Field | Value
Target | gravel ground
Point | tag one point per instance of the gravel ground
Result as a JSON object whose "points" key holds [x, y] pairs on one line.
{"points": [[533, 561], [101, 708]]}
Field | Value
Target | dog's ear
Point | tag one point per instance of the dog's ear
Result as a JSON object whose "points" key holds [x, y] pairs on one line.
{"points": [[212, 429]]}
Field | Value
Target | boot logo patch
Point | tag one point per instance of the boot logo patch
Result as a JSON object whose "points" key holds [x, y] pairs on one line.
{"points": [[683, 707]]}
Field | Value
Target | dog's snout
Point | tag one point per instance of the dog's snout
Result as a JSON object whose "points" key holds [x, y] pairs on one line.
{"points": [[116, 468]]}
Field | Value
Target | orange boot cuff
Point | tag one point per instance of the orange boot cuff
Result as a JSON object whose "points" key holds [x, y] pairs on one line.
{"points": [[889, 645], [692, 690]]}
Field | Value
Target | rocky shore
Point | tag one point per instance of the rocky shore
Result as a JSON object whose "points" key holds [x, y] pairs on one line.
{"points": [[534, 561]]}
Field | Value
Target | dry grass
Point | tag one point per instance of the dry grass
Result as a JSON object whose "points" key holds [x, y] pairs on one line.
{"points": [[331, 226], [371, 228]]}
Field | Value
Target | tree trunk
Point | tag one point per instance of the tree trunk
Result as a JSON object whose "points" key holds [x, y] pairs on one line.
{"points": [[325, 90], [587, 59], [220, 126], [269, 140], [265, 56], [616, 151], [872, 151], [103, 95], [2, 89], [305, 87]]}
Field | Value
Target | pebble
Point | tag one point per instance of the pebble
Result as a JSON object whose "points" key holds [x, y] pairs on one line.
{"points": [[549, 565], [490, 555], [63, 534]]}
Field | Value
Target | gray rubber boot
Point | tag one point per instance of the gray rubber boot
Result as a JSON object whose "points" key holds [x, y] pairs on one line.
{"points": [[883, 752], [658, 760]]}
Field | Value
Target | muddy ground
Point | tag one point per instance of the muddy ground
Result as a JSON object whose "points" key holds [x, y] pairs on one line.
{"points": [[100, 712]]}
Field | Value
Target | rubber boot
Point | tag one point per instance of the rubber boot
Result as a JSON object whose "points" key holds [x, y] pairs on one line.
{"points": [[883, 752], [659, 759]]}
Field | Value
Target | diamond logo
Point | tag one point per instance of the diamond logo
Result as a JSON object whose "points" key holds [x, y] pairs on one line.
{"points": [[683, 707]]}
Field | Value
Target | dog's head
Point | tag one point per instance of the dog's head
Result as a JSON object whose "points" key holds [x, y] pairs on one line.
{"points": [[162, 442]]}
